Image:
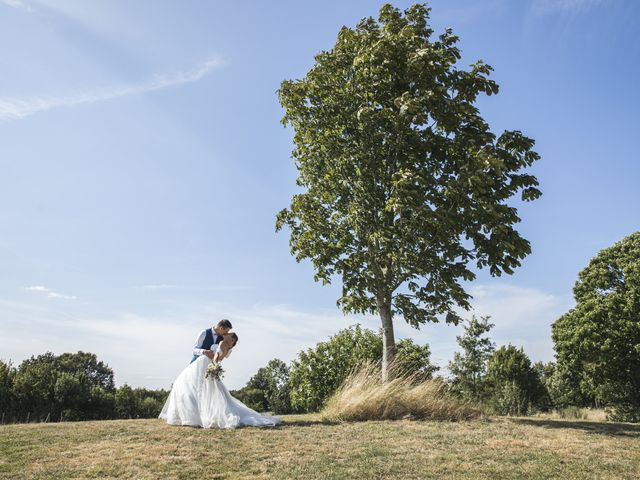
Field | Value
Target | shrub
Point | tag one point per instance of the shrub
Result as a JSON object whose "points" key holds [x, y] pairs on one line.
{"points": [[572, 413], [150, 407], [514, 385], [509, 398], [253, 398], [317, 373], [563, 385], [468, 368], [624, 413], [126, 403]]}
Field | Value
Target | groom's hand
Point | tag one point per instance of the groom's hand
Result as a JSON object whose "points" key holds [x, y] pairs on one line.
{"points": [[209, 354]]}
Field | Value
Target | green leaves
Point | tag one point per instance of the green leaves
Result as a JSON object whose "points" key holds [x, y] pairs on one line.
{"points": [[599, 339], [317, 372], [268, 390], [515, 385], [404, 182]]}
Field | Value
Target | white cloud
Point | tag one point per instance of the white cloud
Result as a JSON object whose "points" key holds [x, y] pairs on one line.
{"points": [[192, 288], [37, 289], [17, 108], [513, 307], [161, 286], [50, 293], [18, 4], [151, 349], [522, 316]]}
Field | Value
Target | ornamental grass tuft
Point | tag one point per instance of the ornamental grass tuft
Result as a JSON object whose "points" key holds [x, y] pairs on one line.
{"points": [[363, 396]]}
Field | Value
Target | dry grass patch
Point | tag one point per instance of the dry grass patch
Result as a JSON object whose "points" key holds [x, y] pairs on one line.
{"points": [[364, 396], [575, 413], [307, 447]]}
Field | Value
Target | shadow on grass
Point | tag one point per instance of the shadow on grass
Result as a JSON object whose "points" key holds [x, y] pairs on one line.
{"points": [[600, 428], [307, 422]]}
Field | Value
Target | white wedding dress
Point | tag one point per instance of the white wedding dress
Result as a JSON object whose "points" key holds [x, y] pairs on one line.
{"points": [[202, 402]]}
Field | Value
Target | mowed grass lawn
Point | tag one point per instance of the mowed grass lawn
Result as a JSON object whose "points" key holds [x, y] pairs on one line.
{"points": [[305, 447]]}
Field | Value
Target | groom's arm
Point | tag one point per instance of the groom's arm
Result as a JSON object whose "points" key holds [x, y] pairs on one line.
{"points": [[197, 348]]}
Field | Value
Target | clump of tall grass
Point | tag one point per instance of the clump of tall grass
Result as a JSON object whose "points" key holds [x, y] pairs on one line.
{"points": [[363, 396], [577, 413]]}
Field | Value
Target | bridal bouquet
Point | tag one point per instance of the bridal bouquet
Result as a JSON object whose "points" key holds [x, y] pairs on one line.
{"points": [[214, 371]]}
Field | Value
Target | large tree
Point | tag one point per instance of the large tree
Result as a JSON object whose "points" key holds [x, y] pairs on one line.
{"points": [[599, 339], [404, 184]]}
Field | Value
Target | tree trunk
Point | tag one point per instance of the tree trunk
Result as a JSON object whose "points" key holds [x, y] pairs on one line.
{"points": [[388, 339]]}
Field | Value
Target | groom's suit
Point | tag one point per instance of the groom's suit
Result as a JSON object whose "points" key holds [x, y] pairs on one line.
{"points": [[205, 340]]}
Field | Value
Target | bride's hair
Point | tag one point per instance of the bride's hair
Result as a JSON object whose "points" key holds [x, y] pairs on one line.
{"points": [[235, 338]]}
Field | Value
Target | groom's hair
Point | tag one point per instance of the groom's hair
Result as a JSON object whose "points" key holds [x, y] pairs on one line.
{"points": [[224, 323]]}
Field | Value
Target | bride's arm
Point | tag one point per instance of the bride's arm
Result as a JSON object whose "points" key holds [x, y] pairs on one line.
{"points": [[221, 353]]}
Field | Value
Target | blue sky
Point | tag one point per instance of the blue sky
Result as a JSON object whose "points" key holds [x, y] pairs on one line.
{"points": [[143, 162]]}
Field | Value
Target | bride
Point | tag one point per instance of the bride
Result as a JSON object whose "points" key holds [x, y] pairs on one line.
{"points": [[204, 402]]}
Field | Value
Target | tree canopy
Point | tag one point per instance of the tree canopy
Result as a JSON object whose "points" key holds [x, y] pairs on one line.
{"points": [[405, 186], [599, 339], [70, 386], [268, 389], [469, 367]]}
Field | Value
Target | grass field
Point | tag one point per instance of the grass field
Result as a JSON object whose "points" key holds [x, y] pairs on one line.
{"points": [[306, 447]]}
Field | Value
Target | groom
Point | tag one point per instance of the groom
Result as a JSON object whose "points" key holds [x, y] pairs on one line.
{"points": [[209, 337]]}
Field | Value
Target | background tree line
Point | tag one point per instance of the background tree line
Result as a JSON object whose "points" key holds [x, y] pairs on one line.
{"points": [[597, 364], [71, 386], [503, 380]]}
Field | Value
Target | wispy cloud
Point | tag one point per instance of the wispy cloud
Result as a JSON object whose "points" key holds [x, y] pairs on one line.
{"points": [[50, 293], [17, 108], [161, 286], [543, 7], [522, 316], [152, 348], [18, 4]]}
